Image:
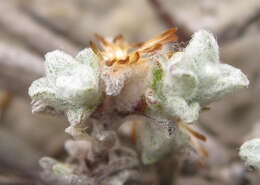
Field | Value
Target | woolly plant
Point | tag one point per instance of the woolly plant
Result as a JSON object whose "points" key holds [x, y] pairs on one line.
{"points": [[250, 152], [155, 87]]}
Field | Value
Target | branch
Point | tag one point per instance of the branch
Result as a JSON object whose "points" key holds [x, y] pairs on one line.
{"points": [[238, 28], [17, 155], [183, 33], [17, 23], [18, 68], [58, 27]]}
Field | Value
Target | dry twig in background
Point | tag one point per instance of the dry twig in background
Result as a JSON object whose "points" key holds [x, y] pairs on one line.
{"points": [[183, 33], [17, 68], [31, 32]]}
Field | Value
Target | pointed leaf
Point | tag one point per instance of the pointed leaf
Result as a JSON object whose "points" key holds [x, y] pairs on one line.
{"points": [[58, 63]]}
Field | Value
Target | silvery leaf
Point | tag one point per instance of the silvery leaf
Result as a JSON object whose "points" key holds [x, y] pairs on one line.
{"points": [[250, 152], [193, 78], [58, 63]]}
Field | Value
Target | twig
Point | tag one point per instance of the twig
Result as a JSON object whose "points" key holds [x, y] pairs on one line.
{"points": [[18, 68], [183, 33], [56, 26], [17, 155], [5, 98], [9, 178], [238, 28], [17, 23]]}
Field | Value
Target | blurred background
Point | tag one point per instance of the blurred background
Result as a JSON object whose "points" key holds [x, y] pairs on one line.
{"points": [[30, 28]]}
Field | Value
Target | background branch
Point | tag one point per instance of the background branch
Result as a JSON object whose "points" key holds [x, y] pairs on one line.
{"points": [[32, 33], [183, 32], [18, 68]]}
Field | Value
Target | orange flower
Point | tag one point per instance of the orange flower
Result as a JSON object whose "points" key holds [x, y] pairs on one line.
{"points": [[120, 52]]}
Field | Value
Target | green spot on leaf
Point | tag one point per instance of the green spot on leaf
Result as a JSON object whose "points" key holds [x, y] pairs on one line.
{"points": [[157, 77]]}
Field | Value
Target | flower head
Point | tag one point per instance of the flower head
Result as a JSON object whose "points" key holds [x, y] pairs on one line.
{"points": [[119, 58], [168, 87]]}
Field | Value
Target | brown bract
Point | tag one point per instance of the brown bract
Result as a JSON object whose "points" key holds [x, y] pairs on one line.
{"points": [[5, 99], [120, 52], [194, 139]]}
